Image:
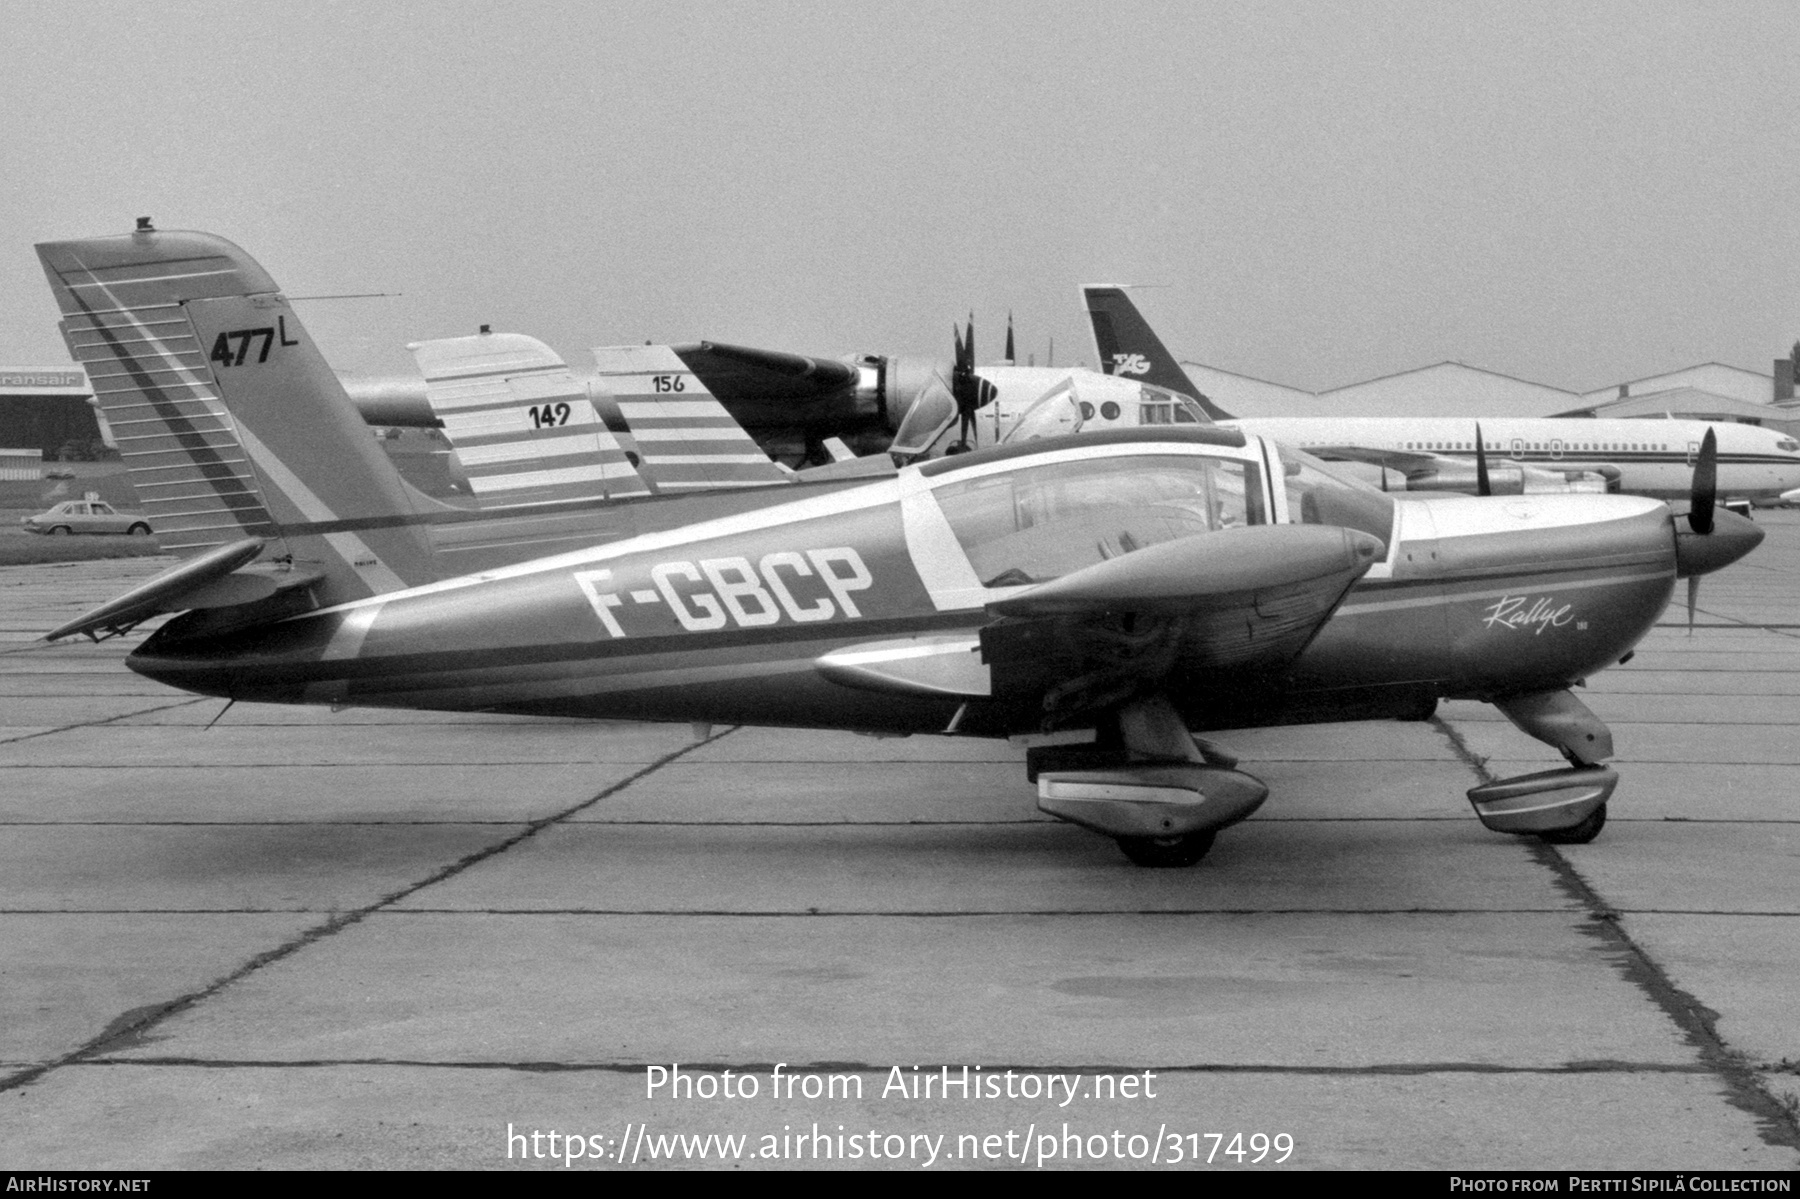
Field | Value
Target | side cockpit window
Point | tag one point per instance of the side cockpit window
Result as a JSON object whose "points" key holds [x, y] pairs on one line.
{"points": [[1039, 523]]}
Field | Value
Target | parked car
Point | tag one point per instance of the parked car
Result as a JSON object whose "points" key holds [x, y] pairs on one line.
{"points": [[87, 516]]}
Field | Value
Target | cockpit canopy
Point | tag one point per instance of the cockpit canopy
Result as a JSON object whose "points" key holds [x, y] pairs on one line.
{"points": [[1029, 513], [1042, 522]]}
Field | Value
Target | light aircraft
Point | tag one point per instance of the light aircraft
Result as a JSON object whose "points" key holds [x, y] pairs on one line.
{"points": [[1098, 599], [1548, 454]]}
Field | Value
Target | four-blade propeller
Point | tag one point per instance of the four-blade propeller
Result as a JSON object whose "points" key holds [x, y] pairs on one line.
{"points": [[971, 392]]}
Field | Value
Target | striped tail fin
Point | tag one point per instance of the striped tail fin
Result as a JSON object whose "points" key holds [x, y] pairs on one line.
{"points": [[685, 438], [522, 425], [229, 420]]}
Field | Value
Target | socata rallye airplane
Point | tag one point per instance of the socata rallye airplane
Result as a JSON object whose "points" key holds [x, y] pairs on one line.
{"points": [[1099, 598]]}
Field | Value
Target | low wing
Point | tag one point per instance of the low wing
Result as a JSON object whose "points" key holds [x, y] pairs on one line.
{"points": [[1228, 607], [521, 424], [734, 373], [1443, 472], [1407, 462], [685, 438]]}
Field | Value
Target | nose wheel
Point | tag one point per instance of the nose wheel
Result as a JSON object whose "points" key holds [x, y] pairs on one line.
{"points": [[1184, 850]]}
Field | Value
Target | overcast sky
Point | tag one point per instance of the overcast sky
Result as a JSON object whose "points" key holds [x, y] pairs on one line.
{"points": [[1573, 193]]}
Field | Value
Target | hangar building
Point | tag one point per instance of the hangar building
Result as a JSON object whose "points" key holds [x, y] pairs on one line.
{"points": [[48, 408], [1708, 391]]}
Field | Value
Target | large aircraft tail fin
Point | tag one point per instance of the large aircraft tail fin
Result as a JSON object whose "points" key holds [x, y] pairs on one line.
{"points": [[230, 422], [1129, 347], [521, 424], [685, 438]]}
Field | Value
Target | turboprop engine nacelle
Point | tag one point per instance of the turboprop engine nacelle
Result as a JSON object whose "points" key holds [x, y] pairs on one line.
{"points": [[891, 386], [1511, 478]]}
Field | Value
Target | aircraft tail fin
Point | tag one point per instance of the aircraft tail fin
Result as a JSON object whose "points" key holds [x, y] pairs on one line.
{"points": [[230, 422], [521, 424], [1129, 347], [686, 439]]}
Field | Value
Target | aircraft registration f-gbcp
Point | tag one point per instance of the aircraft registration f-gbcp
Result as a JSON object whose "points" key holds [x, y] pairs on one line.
{"points": [[1100, 598]]}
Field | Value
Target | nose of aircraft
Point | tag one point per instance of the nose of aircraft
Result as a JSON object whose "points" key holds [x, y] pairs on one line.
{"points": [[1732, 537]]}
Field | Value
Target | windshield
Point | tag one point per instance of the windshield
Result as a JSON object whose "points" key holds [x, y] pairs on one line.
{"points": [[1042, 522], [1317, 494], [1160, 406], [929, 415], [1055, 414]]}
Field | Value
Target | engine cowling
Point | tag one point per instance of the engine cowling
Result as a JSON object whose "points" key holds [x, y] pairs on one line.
{"points": [[1513, 478], [1504, 478]]}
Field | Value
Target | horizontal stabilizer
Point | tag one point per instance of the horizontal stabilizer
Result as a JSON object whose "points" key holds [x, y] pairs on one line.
{"points": [[686, 440], [1206, 570], [521, 424], [162, 593]]}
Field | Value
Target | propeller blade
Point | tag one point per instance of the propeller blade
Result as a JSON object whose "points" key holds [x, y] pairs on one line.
{"points": [[1693, 598], [1009, 338], [1482, 485], [1706, 486], [966, 388]]}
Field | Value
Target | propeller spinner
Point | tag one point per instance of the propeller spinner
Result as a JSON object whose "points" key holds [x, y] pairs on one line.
{"points": [[1714, 538]]}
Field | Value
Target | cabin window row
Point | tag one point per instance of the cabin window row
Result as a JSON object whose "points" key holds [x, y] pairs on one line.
{"points": [[1501, 447]]}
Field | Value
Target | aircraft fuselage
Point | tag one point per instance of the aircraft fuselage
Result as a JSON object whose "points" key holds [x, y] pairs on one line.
{"points": [[728, 620]]}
